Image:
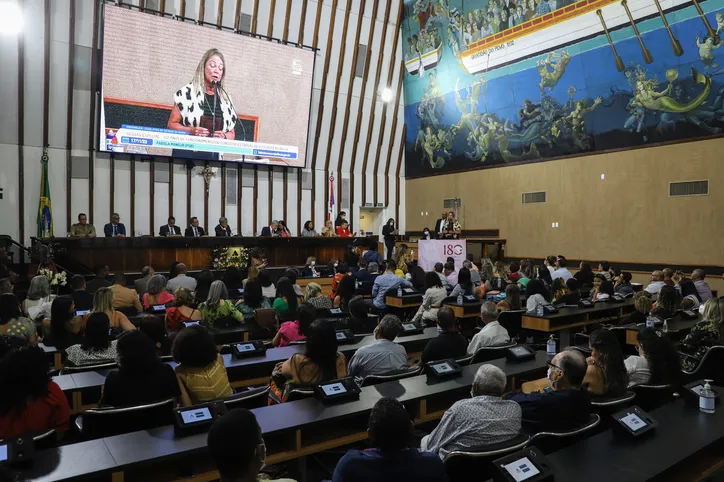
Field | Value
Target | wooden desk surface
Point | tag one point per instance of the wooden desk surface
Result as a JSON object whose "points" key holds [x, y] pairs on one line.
{"points": [[574, 317]]}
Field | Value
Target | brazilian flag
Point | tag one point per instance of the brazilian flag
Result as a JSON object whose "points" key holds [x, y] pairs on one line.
{"points": [[45, 211]]}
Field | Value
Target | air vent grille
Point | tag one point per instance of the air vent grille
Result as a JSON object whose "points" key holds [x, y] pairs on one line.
{"points": [[689, 188], [453, 203], [534, 197]]}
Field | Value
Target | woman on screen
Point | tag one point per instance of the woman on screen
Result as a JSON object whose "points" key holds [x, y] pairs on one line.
{"points": [[203, 107]]}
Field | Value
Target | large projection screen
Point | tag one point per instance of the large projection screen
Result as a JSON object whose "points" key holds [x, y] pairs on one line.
{"points": [[182, 90]]}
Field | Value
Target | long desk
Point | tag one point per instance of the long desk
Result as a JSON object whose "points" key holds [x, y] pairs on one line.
{"points": [[569, 318], [677, 328], [132, 254], [290, 430]]}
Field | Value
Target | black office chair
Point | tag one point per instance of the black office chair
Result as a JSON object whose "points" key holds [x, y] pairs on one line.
{"points": [[87, 368], [608, 405], [104, 422], [127, 310], [487, 353], [550, 441], [460, 465], [249, 398], [708, 368], [511, 321], [365, 288], [406, 373], [650, 397], [465, 360], [227, 323]]}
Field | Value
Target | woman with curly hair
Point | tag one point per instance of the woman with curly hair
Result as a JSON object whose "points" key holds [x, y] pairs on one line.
{"points": [[606, 375]]}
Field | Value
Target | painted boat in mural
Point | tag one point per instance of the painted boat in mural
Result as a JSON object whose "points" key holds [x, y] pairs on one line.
{"points": [[565, 26], [429, 61]]}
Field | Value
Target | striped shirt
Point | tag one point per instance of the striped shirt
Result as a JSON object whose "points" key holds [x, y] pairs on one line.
{"points": [[207, 383]]}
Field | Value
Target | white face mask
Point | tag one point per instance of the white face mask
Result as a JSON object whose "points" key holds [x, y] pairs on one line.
{"points": [[335, 264], [314, 263], [427, 232]]}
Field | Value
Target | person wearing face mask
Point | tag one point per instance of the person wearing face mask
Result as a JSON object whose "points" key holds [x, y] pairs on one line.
{"points": [[341, 219], [237, 447], [563, 406], [389, 231], [310, 270], [426, 234]]}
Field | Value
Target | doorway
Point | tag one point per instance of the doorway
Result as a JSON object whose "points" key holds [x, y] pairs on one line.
{"points": [[370, 221]]}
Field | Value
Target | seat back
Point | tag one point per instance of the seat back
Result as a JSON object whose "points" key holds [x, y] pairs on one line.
{"points": [[650, 397], [460, 466], [511, 321], [465, 360], [266, 318], [406, 373], [104, 422], [88, 368], [365, 288], [550, 441], [227, 323], [127, 310], [487, 353], [608, 405], [709, 367], [248, 399]]}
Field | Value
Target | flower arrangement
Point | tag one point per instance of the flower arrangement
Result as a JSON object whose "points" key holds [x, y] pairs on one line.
{"points": [[55, 279], [223, 257]]}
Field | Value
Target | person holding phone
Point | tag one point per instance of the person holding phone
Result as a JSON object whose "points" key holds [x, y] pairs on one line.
{"points": [[389, 231]]}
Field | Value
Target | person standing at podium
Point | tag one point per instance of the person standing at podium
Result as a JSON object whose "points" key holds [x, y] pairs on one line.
{"points": [[194, 230], [223, 229], [389, 231], [170, 229], [440, 224]]}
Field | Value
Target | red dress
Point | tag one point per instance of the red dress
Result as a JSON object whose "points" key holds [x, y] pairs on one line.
{"points": [[343, 233], [335, 281], [174, 318], [40, 415]]}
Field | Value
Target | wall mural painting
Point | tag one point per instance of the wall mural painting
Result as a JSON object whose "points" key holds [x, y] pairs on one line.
{"points": [[495, 82]]}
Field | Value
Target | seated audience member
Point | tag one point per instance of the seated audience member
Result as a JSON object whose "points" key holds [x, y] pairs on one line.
{"points": [[157, 294], [698, 277], [527, 273], [141, 284], [572, 295], [438, 269], [623, 285], [200, 370], [390, 459], [30, 402], [351, 257], [550, 264], [657, 281], [340, 271], [500, 276], [690, 297], [61, 330], [705, 334], [432, 300], [203, 284], [584, 275], [232, 279], [238, 459], [345, 292], [286, 301], [537, 295], [97, 346], [374, 270], [416, 275], [474, 274], [267, 287], [558, 288], [492, 334], [320, 362], [372, 254], [218, 305], [253, 300], [154, 327], [667, 303], [124, 297], [6, 286], [450, 274], [362, 274], [561, 270], [512, 298], [310, 268], [383, 357], [465, 285], [449, 342], [38, 298], [313, 295], [308, 230], [606, 373], [103, 303], [82, 299], [604, 270], [13, 324], [384, 283], [253, 273], [181, 280], [141, 377], [544, 275], [668, 276], [484, 419], [290, 331], [602, 289], [181, 310], [292, 274], [515, 273], [657, 363], [642, 305], [100, 280]]}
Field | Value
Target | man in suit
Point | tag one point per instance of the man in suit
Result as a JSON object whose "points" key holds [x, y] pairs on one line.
{"points": [[81, 298], [170, 229], [223, 229], [100, 281], [124, 297], [440, 224], [270, 230], [194, 230], [115, 229], [141, 284]]}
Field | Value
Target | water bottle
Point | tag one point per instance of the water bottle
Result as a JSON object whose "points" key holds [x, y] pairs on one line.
{"points": [[665, 328], [707, 398], [539, 310], [650, 321], [399, 291], [551, 346], [460, 299]]}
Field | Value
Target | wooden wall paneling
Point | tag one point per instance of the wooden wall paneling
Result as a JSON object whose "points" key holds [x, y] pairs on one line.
{"points": [[170, 189], [284, 195], [152, 199], [112, 200], [223, 189], [182, 8], [202, 12], [255, 14], [142, 5], [69, 114], [46, 73], [300, 40], [219, 14], [360, 105], [256, 196], [188, 191], [238, 198], [270, 191], [373, 107], [270, 24], [392, 134], [162, 8], [21, 140], [133, 194], [299, 202], [383, 122], [397, 174], [302, 20], [206, 202], [287, 16], [315, 42], [95, 78], [237, 15]]}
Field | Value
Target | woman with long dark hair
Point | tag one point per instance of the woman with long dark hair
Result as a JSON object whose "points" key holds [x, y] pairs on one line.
{"points": [[658, 362], [537, 294], [606, 374], [388, 233], [667, 303], [267, 287], [97, 346], [585, 274], [253, 299], [545, 276], [29, 401], [60, 329], [512, 298], [602, 288], [690, 297], [232, 278], [286, 301], [290, 331], [465, 284], [345, 292]]}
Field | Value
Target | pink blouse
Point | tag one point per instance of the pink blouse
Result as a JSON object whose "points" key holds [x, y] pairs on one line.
{"points": [[163, 298], [289, 332]]}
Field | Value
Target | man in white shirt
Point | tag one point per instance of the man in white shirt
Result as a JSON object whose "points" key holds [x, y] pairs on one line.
{"points": [[657, 281], [181, 280], [492, 333], [384, 356], [561, 270]]}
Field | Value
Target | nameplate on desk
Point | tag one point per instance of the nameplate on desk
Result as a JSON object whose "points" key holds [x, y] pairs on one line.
{"points": [[633, 421], [81, 312], [335, 311], [443, 368], [344, 336], [409, 291], [250, 349], [159, 307], [519, 353], [199, 418], [410, 328], [241, 291], [17, 451], [470, 298], [337, 390], [527, 465], [191, 323]]}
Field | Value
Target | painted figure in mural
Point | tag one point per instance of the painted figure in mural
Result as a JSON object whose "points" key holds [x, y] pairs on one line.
{"points": [[578, 123], [423, 9], [705, 51], [551, 69], [647, 97], [719, 22], [432, 91], [529, 113]]}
